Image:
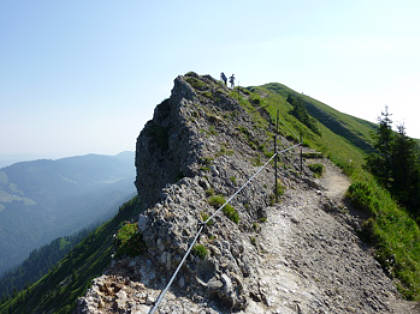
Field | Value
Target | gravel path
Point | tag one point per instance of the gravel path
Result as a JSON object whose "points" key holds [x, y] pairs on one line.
{"points": [[312, 263]]}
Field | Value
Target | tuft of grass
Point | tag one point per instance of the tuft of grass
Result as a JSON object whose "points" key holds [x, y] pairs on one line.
{"points": [[229, 211], [317, 169], [208, 94], [233, 179], [200, 251], [253, 241], [224, 151], [262, 219], [129, 240], [280, 188], [207, 161], [212, 130], [204, 216], [255, 226], [196, 83], [216, 200], [209, 192], [256, 161]]}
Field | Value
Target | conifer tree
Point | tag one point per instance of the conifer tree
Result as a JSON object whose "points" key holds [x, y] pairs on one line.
{"points": [[395, 163], [406, 172], [379, 162]]}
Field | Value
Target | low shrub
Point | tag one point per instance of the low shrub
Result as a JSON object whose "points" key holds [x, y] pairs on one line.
{"points": [[129, 241], [360, 196]]}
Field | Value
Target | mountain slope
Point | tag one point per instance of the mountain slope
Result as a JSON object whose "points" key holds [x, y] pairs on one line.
{"points": [[355, 130], [38, 264], [58, 290], [202, 142], [200, 126], [44, 199], [387, 227]]}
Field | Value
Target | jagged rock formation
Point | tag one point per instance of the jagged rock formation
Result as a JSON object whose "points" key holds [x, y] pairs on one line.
{"points": [[291, 257]]}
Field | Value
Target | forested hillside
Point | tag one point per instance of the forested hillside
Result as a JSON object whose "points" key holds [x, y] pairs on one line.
{"points": [[44, 199], [58, 290], [38, 264]]}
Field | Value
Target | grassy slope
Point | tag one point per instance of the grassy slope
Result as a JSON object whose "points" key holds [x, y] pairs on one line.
{"points": [[58, 290], [346, 140]]}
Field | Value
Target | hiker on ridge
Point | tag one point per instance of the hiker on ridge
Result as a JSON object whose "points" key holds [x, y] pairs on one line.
{"points": [[223, 77], [232, 81]]}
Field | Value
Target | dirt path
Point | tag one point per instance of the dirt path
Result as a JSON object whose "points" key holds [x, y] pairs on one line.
{"points": [[312, 263], [334, 181]]}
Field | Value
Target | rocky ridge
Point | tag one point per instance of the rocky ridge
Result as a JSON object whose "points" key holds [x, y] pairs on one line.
{"points": [[300, 255]]}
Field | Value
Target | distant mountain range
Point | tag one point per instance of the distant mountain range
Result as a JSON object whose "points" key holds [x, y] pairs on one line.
{"points": [[43, 199]]}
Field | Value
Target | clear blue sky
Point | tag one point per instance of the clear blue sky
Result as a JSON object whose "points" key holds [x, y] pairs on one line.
{"points": [[84, 76]]}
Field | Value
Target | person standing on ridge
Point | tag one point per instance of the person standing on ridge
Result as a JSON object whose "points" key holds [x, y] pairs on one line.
{"points": [[232, 80], [223, 77]]}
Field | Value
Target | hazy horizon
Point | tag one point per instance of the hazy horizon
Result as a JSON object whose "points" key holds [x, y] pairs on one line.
{"points": [[10, 159], [85, 76]]}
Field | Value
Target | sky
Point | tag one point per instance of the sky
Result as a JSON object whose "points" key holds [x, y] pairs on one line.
{"points": [[80, 77]]}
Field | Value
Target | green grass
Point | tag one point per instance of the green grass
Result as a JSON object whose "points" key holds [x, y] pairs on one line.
{"points": [[200, 251], [209, 192], [204, 216], [391, 230], [310, 155], [196, 83], [218, 200], [253, 241], [280, 188], [317, 169], [129, 241], [126, 232]]}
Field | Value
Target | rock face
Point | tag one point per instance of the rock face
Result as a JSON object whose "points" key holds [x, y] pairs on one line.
{"points": [[201, 143]]}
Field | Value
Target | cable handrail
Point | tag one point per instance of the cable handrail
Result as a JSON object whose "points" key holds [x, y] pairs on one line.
{"points": [[203, 223]]}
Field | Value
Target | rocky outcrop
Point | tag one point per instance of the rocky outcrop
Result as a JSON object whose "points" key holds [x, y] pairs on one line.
{"points": [[202, 143]]}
